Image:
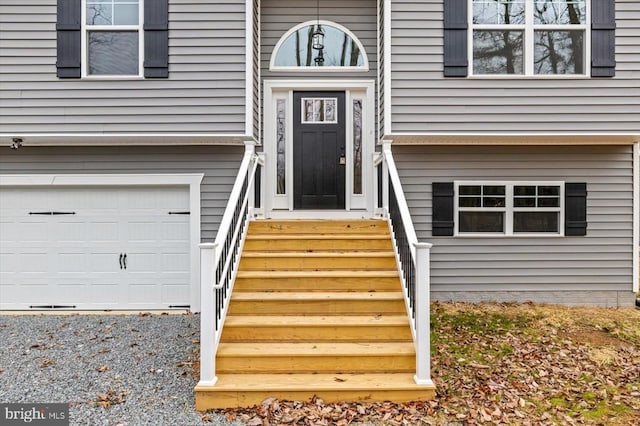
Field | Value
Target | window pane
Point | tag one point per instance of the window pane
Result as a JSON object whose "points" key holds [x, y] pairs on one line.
{"points": [[559, 52], [498, 12], [99, 13], [493, 202], [340, 50], [560, 12], [524, 202], [470, 202], [126, 13], [281, 132], [357, 146], [535, 222], [524, 190], [470, 190], [497, 52], [113, 52], [548, 202], [549, 190], [481, 222], [493, 190]]}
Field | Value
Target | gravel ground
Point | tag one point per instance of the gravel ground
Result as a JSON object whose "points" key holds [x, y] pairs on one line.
{"points": [[111, 369]]}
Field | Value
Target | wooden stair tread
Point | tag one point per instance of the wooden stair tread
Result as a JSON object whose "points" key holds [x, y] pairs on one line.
{"points": [[325, 349], [320, 253], [316, 296], [259, 321], [364, 273], [257, 236], [319, 382]]}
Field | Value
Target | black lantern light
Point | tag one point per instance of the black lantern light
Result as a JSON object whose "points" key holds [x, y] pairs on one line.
{"points": [[317, 41]]}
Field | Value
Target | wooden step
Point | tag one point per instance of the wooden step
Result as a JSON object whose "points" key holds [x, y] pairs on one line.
{"points": [[298, 242], [316, 357], [345, 280], [307, 328], [319, 226], [326, 260], [316, 303], [245, 390]]}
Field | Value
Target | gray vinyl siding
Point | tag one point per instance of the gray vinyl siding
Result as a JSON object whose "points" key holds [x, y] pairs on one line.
{"points": [[359, 16], [219, 164], [423, 101], [205, 91], [600, 261]]}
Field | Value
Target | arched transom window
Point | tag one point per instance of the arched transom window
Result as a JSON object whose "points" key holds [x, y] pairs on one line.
{"points": [[340, 49]]}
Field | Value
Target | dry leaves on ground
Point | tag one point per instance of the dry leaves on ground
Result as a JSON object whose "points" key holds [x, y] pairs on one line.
{"points": [[504, 364]]}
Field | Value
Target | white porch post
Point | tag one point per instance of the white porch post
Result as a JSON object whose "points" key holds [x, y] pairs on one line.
{"points": [[386, 148], [423, 320], [207, 314]]}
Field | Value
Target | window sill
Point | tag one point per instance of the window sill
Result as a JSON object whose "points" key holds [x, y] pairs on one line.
{"points": [[529, 77], [491, 235], [112, 77]]}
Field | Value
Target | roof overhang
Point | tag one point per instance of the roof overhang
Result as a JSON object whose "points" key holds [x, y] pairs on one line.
{"points": [[513, 138], [118, 139]]}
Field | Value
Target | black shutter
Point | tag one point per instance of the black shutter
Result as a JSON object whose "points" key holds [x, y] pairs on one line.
{"points": [[156, 38], [68, 28], [442, 209], [575, 209], [455, 38], [603, 38]]}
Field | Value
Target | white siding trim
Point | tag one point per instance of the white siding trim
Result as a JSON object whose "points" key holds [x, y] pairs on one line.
{"points": [[636, 216], [387, 67], [515, 138], [248, 68], [191, 180], [102, 139]]}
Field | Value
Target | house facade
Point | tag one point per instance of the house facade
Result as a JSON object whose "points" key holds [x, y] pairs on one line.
{"points": [[514, 127]]}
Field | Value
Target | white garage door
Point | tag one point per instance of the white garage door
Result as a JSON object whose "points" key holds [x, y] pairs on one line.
{"points": [[94, 247]]}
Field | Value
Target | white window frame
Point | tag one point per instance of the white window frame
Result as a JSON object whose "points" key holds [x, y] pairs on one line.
{"points": [[85, 29], [529, 29], [509, 209]]}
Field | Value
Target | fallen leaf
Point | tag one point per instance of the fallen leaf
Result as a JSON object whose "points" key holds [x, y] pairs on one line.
{"points": [[103, 369]]}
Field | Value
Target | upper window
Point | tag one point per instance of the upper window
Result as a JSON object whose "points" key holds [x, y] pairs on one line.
{"points": [[529, 37], [509, 208], [337, 48], [112, 37]]}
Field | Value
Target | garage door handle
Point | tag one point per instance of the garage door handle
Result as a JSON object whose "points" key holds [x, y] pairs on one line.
{"points": [[124, 260], [120, 260]]}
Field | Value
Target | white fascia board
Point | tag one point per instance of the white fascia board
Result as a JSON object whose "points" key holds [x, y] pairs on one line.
{"points": [[129, 139], [514, 138], [248, 125]]}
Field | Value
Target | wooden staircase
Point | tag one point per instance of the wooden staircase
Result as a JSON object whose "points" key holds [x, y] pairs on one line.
{"points": [[317, 310]]}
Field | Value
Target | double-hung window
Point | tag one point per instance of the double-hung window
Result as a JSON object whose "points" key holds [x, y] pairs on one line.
{"points": [[112, 37], [529, 37], [509, 208]]}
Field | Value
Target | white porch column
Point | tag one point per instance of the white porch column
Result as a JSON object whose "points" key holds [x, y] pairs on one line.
{"points": [[386, 148], [207, 315], [423, 319], [636, 217]]}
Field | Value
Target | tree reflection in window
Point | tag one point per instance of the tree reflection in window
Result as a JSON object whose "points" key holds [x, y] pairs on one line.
{"points": [[340, 49], [357, 146], [281, 131]]}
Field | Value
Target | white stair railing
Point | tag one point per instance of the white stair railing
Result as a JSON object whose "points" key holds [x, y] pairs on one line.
{"points": [[413, 259], [219, 261]]}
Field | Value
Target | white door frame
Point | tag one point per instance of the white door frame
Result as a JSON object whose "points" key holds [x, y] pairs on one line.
{"points": [[191, 180], [281, 206]]}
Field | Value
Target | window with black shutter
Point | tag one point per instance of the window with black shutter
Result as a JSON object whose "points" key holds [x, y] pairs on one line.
{"points": [[529, 37], [105, 39]]}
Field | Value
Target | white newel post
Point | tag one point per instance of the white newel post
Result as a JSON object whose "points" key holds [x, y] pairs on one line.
{"points": [[207, 315], [423, 320]]}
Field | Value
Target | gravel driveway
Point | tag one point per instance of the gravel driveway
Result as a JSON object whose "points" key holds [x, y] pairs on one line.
{"points": [[112, 369]]}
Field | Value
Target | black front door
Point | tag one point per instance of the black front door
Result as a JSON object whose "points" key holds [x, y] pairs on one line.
{"points": [[318, 150]]}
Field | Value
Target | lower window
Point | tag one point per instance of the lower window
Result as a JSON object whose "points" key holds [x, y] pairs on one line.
{"points": [[509, 208]]}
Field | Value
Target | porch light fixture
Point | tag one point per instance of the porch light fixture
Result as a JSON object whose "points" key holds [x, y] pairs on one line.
{"points": [[318, 37]]}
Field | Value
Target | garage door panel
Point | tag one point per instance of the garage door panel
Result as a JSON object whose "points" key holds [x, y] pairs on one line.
{"points": [[74, 259]]}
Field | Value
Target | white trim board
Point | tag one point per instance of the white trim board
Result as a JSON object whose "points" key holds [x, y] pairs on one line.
{"points": [[129, 139], [636, 217], [192, 180], [248, 101], [513, 138]]}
